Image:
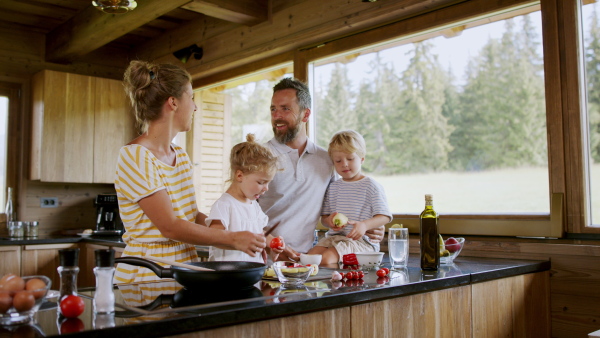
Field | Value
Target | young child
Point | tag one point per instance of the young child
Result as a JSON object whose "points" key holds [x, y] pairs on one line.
{"points": [[358, 197], [252, 168]]}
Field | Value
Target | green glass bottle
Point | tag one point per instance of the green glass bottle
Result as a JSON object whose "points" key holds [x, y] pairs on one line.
{"points": [[429, 223]]}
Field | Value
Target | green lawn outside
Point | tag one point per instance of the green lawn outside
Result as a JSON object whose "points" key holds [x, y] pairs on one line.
{"points": [[518, 191]]}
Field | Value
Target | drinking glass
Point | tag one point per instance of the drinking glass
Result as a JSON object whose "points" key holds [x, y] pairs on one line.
{"points": [[398, 246]]}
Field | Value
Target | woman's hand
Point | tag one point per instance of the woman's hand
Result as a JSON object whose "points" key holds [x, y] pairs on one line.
{"points": [[248, 242], [376, 234]]}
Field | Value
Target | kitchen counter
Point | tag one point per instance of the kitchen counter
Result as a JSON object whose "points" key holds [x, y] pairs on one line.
{"points": [[165, 308]]}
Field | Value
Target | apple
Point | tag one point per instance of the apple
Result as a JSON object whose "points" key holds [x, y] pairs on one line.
{"points": [[452, 244]]}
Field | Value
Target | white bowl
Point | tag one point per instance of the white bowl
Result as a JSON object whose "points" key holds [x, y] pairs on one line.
{"points": [[369, 260], [307, 259]]}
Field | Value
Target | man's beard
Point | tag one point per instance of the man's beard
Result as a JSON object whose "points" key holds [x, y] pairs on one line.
{"points": [[289, 135]]}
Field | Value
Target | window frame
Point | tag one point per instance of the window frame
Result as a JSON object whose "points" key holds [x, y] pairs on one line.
{"points": [[563, 108], [549, 225], [14, 92]]}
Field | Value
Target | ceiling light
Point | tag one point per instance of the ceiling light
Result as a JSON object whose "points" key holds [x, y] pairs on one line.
{"points": [[115, 6], [184, 54]]}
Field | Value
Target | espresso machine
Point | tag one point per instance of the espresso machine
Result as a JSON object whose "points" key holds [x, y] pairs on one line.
{"points": [[108, 220]]}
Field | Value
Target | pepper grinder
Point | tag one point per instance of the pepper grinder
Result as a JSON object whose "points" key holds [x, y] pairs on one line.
{"points": [[68, 270], [104, 297]]}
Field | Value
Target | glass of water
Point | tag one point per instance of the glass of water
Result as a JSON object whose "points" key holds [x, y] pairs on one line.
{"points": [[398, 246]]}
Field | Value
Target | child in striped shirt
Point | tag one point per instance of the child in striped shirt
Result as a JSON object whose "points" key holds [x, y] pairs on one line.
{"points": [[358, 197]]}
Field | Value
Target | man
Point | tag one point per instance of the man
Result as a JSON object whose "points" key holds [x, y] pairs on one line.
{"points": [[295, 195]]}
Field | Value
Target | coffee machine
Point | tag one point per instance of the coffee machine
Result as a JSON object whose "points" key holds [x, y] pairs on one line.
{"points": [[108, 220]]}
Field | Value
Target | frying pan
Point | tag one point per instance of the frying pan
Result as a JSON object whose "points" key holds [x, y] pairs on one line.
{"points": [[227, 275]]}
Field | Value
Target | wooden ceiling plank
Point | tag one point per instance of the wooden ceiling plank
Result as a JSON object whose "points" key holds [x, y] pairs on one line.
{"points": [[47, 11], [91, 29], [245, 12]]}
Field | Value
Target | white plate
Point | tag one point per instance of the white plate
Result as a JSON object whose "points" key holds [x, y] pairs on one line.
{"points": [[84, 234]]}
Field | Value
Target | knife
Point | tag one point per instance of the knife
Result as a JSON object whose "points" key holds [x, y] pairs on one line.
{"points": [[268, 232]]}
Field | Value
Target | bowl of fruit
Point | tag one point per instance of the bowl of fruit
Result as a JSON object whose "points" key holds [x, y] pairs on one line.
{"points": [[452, 247], [290, 273], [21, 297]]}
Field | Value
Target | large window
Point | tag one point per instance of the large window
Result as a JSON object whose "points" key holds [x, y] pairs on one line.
{"points": [[458, 113], [591, 32], [3, 148]]}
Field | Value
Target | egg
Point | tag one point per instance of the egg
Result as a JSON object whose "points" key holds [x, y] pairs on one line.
{"points": [[5, 301], [12, 283], [23, 301], [37, 287]]}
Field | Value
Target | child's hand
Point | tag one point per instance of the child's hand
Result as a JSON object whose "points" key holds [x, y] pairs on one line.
{"points": [[277, 246], [331, 224], [359, 230]]}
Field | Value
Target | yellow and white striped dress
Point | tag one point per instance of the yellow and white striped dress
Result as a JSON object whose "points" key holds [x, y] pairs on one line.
{"points": [[140, 174]]}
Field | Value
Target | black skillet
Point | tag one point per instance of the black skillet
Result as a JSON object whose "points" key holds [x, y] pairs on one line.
{"points": [[227, 275]]}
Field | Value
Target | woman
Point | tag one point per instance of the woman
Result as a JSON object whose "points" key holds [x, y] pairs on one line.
{"points": [[154, 177]]}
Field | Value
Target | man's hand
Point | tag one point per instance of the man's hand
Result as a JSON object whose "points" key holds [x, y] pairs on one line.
{"points": [[289, 254], [376, 235]]}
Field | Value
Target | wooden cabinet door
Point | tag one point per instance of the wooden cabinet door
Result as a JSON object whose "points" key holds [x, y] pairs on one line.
{"points": [[43, 259], [114, 126], [10, 256], [68, 128]]}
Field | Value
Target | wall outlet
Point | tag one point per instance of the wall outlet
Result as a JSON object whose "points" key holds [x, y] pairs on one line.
{"points": [[48, 202]]}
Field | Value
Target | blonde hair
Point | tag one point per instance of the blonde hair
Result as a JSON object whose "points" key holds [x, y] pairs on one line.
{"points": [[348, 141], [149, 85], [250, 157]]}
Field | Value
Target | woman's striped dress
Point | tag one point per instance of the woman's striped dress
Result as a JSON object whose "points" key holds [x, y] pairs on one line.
{"points": [[140, 174]]}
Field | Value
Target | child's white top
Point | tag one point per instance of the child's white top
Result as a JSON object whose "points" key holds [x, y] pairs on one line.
{"points": [[236, 216]]}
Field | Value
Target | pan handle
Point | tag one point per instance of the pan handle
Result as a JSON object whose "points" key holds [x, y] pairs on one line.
{"points": [[160, 271]]}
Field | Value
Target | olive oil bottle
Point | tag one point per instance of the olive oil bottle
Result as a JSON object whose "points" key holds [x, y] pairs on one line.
{"points": [[429, 223]]}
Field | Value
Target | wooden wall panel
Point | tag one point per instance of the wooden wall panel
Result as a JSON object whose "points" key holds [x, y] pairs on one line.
{"points": [[445, 313], [509, 307], [75, 205], [322, 324]]}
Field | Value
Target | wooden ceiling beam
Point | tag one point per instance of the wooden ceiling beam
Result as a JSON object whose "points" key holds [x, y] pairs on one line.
{"points": [[91, 28], [245, 12]]}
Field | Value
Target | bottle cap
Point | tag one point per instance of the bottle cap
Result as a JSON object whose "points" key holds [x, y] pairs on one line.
{"points": [[69, 257], [428, 197], [105, 258]]}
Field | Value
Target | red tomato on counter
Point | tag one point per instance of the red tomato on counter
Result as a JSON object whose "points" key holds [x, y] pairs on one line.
{"points": [[72, 306]]}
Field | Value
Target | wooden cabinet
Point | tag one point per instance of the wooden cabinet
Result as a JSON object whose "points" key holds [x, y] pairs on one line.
{"points": [[10, 256], [88, 262], [78, 125], [43, 259]]}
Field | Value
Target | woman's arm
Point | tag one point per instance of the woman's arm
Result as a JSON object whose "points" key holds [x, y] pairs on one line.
{"points": [[158, 208]]}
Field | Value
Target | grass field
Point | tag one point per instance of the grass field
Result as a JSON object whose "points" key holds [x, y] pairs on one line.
{"points": [[512, 191]]}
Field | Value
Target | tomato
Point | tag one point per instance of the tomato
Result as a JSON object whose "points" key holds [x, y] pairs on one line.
{"points": [[381, 280], [350, 275], [360, 274], [276, 243], [343, 275], [72, 306], [381, 273], [387, 271]]}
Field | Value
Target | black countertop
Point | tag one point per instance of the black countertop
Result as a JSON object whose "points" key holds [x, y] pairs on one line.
{"points": [[61, 239], [176, 310]]}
